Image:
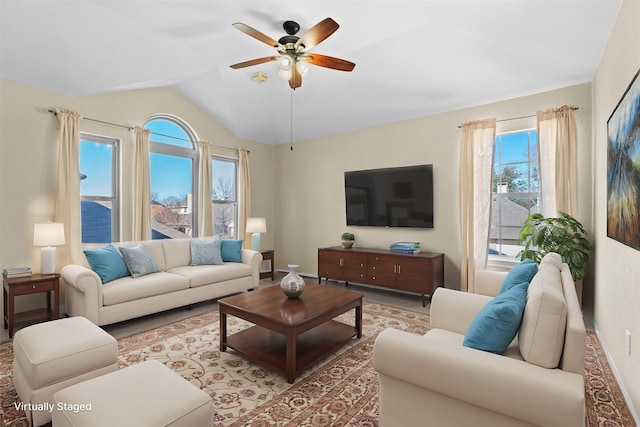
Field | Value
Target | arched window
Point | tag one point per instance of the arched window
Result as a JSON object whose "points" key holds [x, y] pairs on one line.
{"points": [[173, 166]]}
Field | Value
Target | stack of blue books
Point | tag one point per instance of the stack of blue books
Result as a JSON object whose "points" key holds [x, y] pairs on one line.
{"points": [[405, 247]]}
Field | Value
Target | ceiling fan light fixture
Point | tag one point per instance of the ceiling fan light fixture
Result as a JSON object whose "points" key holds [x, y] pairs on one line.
{"points": [[285, 74], [286, 61], [302, 67]]}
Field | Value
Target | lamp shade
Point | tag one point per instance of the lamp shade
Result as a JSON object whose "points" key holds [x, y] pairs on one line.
{"points": [[48, 234], [256, 225]]}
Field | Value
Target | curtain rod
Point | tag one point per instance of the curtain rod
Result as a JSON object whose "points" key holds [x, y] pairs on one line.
{"points": [[521, 117], [156, 133], [98, 121]]}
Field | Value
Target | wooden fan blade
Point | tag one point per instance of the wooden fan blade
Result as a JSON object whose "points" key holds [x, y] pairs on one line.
{"points": [[295, 81], [256, 34], [254, 62], [317, 33], [328, 62]]}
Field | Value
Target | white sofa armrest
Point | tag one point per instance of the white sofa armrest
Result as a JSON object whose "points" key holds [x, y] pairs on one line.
{"points": [[83, 295], [521, 390], [253, 259], [488, 282], [455, 310]]}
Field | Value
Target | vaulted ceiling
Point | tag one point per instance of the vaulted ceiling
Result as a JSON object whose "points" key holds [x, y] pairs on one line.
{"points": [[413, 58]]}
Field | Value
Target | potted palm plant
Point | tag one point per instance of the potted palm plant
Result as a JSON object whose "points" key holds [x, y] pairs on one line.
{"points": [[563, 235], [348, 239]]}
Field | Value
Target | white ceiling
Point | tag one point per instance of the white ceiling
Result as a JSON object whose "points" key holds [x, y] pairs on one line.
{"points": [[413, 58]]}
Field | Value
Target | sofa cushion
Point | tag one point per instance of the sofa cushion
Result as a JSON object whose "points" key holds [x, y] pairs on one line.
{"points": [[541, 336], [552, 258], [139, 260], [107, 263], [206, 252], [206, 274], [231, 250], [130, 289], [497, 323], [519, 273]]}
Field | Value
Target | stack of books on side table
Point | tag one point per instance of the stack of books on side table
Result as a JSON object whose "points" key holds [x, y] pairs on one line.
{"points": [[405, 247], [10, 273]]}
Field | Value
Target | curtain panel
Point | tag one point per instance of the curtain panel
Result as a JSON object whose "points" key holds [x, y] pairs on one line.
{"points": [[141, 227], [244, 196], [67, 209], [205, 173], [558, 141], [476, 170]]}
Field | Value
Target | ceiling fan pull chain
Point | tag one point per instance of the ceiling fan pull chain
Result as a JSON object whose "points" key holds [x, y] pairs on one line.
{"points": [[291, 118]]}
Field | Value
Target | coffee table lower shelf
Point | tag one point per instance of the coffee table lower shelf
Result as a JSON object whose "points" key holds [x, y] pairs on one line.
{"points": [[269, 348]]}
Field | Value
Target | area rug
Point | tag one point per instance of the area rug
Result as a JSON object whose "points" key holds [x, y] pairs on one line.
{"points": [[341, 390]]}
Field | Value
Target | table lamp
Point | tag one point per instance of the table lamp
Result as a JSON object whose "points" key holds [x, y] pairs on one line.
{"points": [[255, 226], [48, 235]]}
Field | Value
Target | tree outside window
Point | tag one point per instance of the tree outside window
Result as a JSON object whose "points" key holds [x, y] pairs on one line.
{"points": [[224, 197]]}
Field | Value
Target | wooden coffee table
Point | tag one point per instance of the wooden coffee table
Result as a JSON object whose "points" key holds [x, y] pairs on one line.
{"points": [[290, 334]]}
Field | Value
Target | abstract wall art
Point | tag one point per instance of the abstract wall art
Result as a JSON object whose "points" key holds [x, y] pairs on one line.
{"points": [[623, 168]]}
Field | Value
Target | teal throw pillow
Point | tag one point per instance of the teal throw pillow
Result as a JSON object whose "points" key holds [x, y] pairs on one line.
{"points": [[206, 252], [107, 263], [520, 273], [497, 323], [139, 261], [232, 250]]}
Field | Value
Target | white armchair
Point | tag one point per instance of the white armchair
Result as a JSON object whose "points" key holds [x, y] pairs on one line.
{"points": [[435, 380]]}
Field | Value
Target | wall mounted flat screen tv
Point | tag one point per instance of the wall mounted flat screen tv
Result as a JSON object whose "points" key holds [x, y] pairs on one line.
{"points": [[390, 197]]}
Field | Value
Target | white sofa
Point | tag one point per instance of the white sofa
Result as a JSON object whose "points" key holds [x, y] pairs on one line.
{"points": [[435, 380], [177, 283]]}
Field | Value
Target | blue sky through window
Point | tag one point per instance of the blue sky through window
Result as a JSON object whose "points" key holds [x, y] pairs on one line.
{"points": [[169, 133], [170, 176], [95, 163]]}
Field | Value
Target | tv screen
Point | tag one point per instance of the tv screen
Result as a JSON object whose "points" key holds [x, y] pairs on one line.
{"points": [[390, 197]]}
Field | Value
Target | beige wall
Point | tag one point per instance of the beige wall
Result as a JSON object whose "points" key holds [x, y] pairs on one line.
{"points": [[617, 267], [310, 179], [28, 158]]}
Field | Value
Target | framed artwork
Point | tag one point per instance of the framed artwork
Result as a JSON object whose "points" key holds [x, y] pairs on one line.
{"points": [[623, 168]]}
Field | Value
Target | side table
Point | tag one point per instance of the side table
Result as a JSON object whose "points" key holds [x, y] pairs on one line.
{"points": [[268, 255], [13, 287]]}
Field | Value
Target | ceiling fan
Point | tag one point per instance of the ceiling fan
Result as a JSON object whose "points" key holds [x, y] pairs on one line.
{"points": [[293, 55]]}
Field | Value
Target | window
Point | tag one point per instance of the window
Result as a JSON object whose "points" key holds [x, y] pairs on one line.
{"points": [[173, 168], [99, 189], [516, 191], [224, 197]]}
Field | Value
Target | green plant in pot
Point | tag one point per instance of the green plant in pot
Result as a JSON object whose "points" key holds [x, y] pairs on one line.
{"points": [[563, 235], [348, 239]]}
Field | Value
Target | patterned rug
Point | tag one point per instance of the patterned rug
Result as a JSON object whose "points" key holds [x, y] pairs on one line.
{"points": [[341, 390]]}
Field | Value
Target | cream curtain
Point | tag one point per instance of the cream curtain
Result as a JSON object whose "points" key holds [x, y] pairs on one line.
{"points": [[141, 227], [558, 151], [244, 195], [67, 210], [476, 164], [205, 218]]}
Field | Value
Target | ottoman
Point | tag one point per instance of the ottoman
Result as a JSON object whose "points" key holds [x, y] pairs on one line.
{"points": [[53, 355], [144, 395]]}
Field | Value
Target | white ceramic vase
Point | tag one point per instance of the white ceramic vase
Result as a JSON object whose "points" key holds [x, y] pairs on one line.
{"points": [[292, 284]]}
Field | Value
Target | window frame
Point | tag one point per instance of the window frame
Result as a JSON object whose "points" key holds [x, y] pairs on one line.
{"points": [[115, 182], [163, 148], [496, 260], [236, 163]]}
